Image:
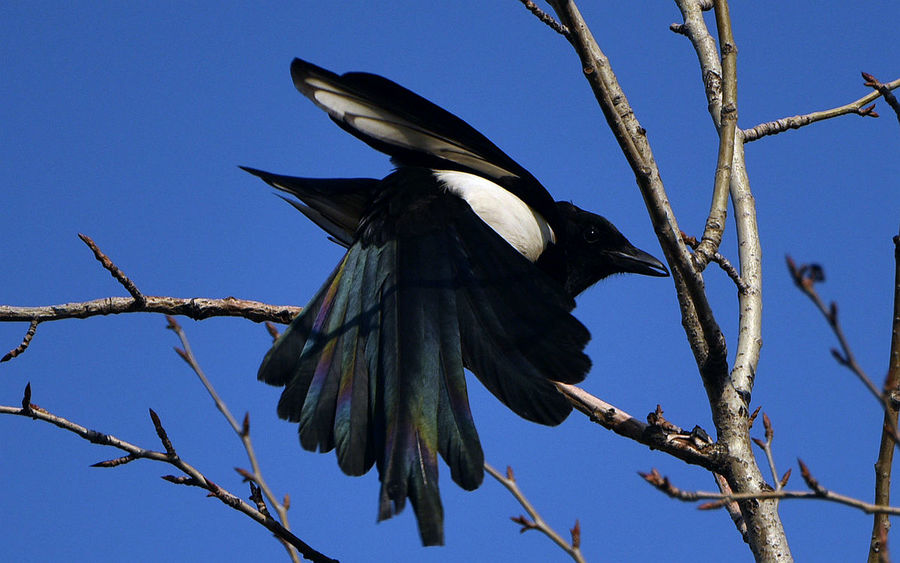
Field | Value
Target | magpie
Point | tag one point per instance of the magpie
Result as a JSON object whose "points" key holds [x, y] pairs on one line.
{"points": [[458, 259]]}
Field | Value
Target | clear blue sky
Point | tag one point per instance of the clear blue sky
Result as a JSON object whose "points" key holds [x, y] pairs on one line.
{"points": [[128, 123]]}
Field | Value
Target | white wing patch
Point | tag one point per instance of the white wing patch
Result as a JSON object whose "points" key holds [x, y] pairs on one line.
{"points": [[520, 225], [390, 128]]}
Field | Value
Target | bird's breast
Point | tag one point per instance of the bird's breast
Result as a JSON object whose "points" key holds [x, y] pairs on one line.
{"points": [[522, 227]]}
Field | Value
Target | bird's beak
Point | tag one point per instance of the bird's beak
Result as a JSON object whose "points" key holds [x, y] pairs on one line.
{"points": [[636, 261]]}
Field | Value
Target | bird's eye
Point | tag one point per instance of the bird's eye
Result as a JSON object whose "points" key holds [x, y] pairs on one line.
{"points": [[592, 234]]}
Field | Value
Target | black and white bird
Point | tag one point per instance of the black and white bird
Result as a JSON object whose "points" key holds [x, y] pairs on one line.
{"points": [[459, 258]]}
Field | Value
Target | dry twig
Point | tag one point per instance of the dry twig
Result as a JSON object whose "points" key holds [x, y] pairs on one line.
{"points": [[817, 492], [192, 476], [723, 263], [798, 121], [26, 341], [805, 278], [257, 482], [545, 17], [197, 308], [884, 465], [534, 520]]}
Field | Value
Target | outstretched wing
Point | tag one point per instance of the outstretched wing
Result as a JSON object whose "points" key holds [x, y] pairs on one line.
{"points": [[414, 131]]}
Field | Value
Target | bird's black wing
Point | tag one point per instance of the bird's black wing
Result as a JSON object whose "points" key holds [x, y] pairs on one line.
{"points": [[373, 366], [336, 205], [414, 131]]}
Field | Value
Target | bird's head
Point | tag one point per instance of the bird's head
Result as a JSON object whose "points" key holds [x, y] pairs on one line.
{"points": [[595, 249]]}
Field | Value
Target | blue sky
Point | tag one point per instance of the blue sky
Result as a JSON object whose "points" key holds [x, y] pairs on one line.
{"points": [[127, 124]]}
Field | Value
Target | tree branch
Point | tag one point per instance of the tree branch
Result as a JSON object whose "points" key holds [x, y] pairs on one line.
{"points": [[767, 536], [798, 121], [242, 431], [118, 274], [692, 447], [881, 524], [196, 308], [192, 476], [818, 493], [26, 341], [545, 17], [805, 277], [536, 522], [726, 126]]}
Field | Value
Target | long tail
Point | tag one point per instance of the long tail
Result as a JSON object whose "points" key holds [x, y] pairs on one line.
{"points": [[373, 368]]}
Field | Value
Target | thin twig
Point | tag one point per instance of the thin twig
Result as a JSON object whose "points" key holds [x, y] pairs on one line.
{"points": [[192, 476], [766, 447], [884, 90], [545, 17], [883, 466], [723, 263], [26, 341], [114, 270], [798, 121], [573, 548], [731, 506], [194, 308], [817, 493], [805, 277], [242, 430]]}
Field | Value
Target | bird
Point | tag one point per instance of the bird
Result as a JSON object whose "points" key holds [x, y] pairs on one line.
{"points": [[458, 259]]}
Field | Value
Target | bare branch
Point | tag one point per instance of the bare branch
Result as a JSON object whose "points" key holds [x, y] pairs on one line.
{"points": [[732, 507], [191, 475], [750, 330], [273, 331], [766, 447], [723, 263], [857, 107], [665, 485], [197, 308], [693, 447], [884, 90], [114, 270], [545, 17], [883, 466], [727, 125], [26, 341], [573, 548], [766, 534], [242, 431], [805, 277]]}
